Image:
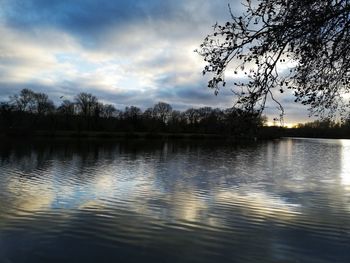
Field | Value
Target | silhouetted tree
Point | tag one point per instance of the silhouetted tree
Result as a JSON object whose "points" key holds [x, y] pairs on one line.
{"points": [[192, 116], [67, 111], [87, 103], [66, 108], [150, 121], [43, 105], [108, 111], [177, 121], [132, 116], [278, 45], [162, 111], [25, 101], [132, 112], [148, 113], [28, 111], [6, 113]]}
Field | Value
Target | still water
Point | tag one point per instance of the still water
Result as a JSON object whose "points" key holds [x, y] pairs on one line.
{"points": [[178, 201]]}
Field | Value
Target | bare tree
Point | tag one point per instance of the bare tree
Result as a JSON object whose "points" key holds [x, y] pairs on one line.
{"points": [[162, 111], [43, 105], [108, 111], [30, 101], [66, 108], [24, 101], [86, 103], [284, 44], [192, 116], [132, 113]]}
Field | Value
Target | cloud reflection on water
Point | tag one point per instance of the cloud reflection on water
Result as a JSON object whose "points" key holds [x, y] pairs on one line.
{"points": [[345, 164], [187, 195], [162, 183]]}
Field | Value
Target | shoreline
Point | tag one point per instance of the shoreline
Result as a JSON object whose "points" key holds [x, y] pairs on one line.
{"points": [[264, 134], [114, 135]]}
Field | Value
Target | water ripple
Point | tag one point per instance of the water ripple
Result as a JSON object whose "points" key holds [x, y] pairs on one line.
{"points": [[281, 201]]}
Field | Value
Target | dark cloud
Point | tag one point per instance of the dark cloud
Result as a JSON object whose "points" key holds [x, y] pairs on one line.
{"points": [[72, 15], [89, 19], [133, 52]]}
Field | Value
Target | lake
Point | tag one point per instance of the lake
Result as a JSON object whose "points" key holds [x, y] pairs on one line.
{"points": [[286, 200]]}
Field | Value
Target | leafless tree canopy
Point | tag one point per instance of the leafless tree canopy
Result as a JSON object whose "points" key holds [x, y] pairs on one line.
{"points": [[284, 44]]}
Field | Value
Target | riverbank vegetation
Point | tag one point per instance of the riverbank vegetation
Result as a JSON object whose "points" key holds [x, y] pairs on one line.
{"points": [[34, 114], [31, 113], [321, 129]]}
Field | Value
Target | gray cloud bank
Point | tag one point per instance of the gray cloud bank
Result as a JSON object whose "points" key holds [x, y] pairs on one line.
{"points": [[125, 52]]}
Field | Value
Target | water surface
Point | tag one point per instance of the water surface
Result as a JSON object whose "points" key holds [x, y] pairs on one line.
{"points": [[177, 201]]}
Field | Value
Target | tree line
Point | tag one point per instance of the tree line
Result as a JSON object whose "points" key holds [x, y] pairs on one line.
{"points": [[29, 111], [325, 128]]}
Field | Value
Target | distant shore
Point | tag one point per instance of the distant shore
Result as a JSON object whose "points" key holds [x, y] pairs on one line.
{"points": [[327, 133], [266, 133], [120, 135]]}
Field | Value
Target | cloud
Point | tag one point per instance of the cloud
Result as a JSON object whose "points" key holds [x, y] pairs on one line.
{"points": [[89, 19], [124, 52]]}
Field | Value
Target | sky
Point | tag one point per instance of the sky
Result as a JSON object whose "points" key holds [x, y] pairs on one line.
{"points": [[131, 52]]}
